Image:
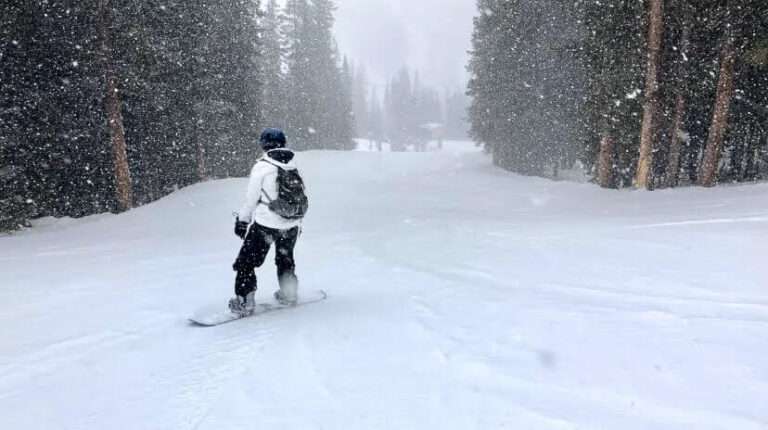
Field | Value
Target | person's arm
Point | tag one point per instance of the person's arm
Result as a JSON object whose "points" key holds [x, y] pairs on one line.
{"points": [[253, 195]]}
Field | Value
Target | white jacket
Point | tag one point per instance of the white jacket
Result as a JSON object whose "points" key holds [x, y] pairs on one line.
{"points": [[264, 181]]}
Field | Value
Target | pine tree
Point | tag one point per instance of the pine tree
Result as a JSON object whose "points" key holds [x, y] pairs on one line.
{"points": [[340, 118], [16, 204], [233, 86], [613, 54], [736, 24], [273, 53], [152, 55], [525, 83], [360, 102], [171, 59], [375, 120], [719, 122], [52, 155], [649, 131], [114, 109], [699, 117], [399, 110], [302, 96], [485, 112], [319, 99], [681, 17], [748, 138]]}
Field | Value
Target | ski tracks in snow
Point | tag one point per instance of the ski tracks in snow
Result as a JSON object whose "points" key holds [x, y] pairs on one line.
{"points": [[479, 349], [451, 305], [215, 372]]}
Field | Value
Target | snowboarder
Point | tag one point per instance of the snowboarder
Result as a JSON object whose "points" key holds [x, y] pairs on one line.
{"points": [[274, 206]]}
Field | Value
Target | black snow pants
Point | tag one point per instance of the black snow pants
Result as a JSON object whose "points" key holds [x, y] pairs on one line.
{"points": [[254, 252]]}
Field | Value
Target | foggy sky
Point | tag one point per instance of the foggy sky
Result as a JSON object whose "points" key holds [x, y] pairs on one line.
{"points": [[431, 35]]}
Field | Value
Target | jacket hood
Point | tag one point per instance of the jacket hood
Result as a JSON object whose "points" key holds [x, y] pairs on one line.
{"points": [[281, 155]]}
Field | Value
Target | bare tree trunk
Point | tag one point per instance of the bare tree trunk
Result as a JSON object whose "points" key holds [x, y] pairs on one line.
{"points": [[750, 170], [651, 104], [673, 162], [201, 172], [605, 161], [719, 124], [123, 186]]}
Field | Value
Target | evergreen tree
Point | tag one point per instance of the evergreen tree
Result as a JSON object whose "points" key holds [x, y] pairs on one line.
{"points": [[411, 110], [273, 54], [703, 50], [375, 120], [485, 112], [748, 136], [113, 105], [360, 103], [399, 110], [650, 90], [649, 129], [613, 54], [680, 24], [229, 111], [344, 119], [526, 83], [303, 92], [319, 98], [182, 76], [739, 26], [52, 157]]}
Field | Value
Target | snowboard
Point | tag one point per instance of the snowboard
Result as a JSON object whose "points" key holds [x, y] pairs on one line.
{"points": [[211, 317]]}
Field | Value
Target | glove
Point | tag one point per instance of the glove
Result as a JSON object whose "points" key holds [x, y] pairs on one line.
{"points": [[241, 228]]}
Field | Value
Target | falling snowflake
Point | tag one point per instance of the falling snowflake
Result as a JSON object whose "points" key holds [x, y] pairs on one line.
{"points": [[634, 94]]}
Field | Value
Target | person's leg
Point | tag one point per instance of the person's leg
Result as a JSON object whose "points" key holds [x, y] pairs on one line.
{"points": [[252, 254], [286, 266]]}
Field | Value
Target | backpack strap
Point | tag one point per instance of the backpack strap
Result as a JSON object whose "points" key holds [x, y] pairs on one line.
{"points": [[266, 160], [263, 191]]}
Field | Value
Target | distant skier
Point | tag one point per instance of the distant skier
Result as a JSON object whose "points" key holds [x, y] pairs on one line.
{"points": [[275, 204]]}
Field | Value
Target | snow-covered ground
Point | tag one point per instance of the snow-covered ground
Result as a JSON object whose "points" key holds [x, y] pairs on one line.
{"points": [[461, 297]]}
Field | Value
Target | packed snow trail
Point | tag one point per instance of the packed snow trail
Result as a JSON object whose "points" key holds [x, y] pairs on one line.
{"points": [[461, 297]]}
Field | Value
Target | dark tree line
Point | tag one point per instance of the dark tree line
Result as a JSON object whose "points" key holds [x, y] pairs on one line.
{"points": [[526, 84], [108, 104], [652, 93]]}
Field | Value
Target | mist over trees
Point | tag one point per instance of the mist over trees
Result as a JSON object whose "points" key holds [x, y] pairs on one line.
{"points": [[456, 115], [409, 107], [319, 113], [409, 112], [108, 104], [653, 93]]}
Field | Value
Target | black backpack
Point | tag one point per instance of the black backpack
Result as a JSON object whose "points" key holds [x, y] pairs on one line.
{"points": [[291, 202]]}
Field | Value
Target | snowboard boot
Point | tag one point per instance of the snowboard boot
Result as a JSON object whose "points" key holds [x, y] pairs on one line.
{"points": [[285, 301], [243, 305]]}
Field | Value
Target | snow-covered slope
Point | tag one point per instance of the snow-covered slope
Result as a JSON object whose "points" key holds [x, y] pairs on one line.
{"points": [[461, 297]]}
